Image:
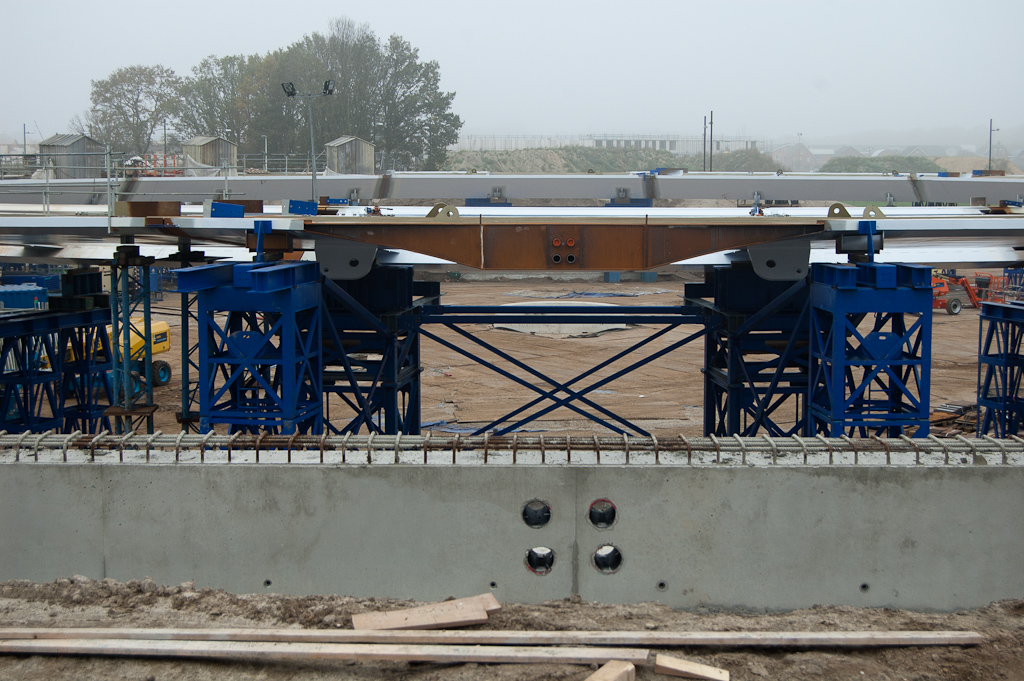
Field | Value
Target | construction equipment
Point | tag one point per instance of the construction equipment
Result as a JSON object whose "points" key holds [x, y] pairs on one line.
{"points": [[161, 342], [952, 292]]}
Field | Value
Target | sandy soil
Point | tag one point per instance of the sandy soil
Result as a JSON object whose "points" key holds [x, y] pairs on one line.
{"points": [[665, 399]]}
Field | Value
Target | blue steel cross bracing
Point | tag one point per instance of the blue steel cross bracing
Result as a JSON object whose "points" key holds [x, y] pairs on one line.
{"points": [[669, 316]]}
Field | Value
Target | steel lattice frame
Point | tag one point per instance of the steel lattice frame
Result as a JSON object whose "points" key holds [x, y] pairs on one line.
{"points": [[876, 381], [55, 372], [755, 363], [259, 346], [132, 374], [1000, 369]]}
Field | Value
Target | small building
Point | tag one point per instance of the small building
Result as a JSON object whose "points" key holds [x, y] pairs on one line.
{"points": [[795, 157], [350, 156], [206, 152], [72, 156]]}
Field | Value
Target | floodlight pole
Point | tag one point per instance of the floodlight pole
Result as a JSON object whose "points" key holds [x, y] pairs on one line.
{"points": [[289, 91], [312, 149]]}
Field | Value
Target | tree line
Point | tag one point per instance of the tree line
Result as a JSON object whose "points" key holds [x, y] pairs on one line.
{"points": [[383, 93]]}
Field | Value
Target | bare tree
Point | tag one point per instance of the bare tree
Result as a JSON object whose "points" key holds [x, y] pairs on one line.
{"points": [[128, 106]]}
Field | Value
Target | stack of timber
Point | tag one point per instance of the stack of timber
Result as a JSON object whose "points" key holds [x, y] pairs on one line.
{"points": [[412, 635]]}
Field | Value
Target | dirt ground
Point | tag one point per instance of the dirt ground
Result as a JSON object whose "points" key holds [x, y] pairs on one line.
{"points": [[82, 602], [665, 399]]}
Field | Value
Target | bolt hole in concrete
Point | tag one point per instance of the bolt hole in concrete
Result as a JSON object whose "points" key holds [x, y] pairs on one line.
{"points": [[602, 514], [607, 559], [494, 585], [536, 513], [864, 587], [661, 586], [540, 560], [267, 583]]}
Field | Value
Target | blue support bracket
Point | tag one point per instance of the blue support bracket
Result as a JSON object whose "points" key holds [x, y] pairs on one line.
{"points": [[876, 275], [284, 276], [216, 209], [294, 207], [262, 227], [203, 277]]}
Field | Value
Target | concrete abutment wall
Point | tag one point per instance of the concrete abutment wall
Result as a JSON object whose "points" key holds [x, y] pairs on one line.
{"points": [[780, 537]]}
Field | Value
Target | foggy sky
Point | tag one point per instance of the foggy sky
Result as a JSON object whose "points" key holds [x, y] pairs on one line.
{"points": [[922, 72]]}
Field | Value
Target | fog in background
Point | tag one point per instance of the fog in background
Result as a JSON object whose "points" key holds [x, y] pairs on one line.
{"points": [[860, 72]]}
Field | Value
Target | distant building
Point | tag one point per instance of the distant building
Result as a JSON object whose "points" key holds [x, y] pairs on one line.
{"points": [[795, 157], [350, 155], [932, 151], [208, 155], [72, 156]]}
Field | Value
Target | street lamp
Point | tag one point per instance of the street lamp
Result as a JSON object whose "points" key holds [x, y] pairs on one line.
{"points": [[990, 131], [290, 91], [264, 152]]}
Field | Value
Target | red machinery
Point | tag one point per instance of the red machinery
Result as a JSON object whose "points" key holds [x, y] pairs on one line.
{"points": [[985, 288]]}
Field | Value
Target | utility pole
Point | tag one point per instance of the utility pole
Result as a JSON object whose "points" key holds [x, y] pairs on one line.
{"points": [[24, 141], [704, 147], [711, 146], [165, 143], [990, 131]]}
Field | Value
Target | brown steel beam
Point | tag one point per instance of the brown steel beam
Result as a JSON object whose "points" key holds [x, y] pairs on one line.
{"points": [[549, 244]]}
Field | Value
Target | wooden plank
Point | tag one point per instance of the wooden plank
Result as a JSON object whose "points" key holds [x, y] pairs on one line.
{"points": [[779, 639], [456, 613], [282, 652], [430, 617], [673, 666], [616, 670]]}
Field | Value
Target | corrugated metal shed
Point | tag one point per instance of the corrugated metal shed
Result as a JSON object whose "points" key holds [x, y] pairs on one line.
{"points": [[73, 156], [211, 151], [350, 156]]}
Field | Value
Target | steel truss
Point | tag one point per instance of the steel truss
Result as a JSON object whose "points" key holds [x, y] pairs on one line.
{"points": [[372, 358], [55, 372], [259, 346], [1000, 369], [132, 372], [875, 381], [755, 357]]}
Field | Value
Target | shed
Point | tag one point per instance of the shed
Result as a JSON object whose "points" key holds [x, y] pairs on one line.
{"points": [[350, 156], [73, 156], [213, 152]]}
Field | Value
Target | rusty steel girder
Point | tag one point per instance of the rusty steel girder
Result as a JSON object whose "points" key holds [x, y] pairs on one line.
{"points": [[571, 244]]}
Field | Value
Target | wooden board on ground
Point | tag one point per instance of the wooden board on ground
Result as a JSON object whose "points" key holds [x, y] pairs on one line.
{"points": [[777, 639], [459, 612], [304, 652], [616, 670], [673, 666]]}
